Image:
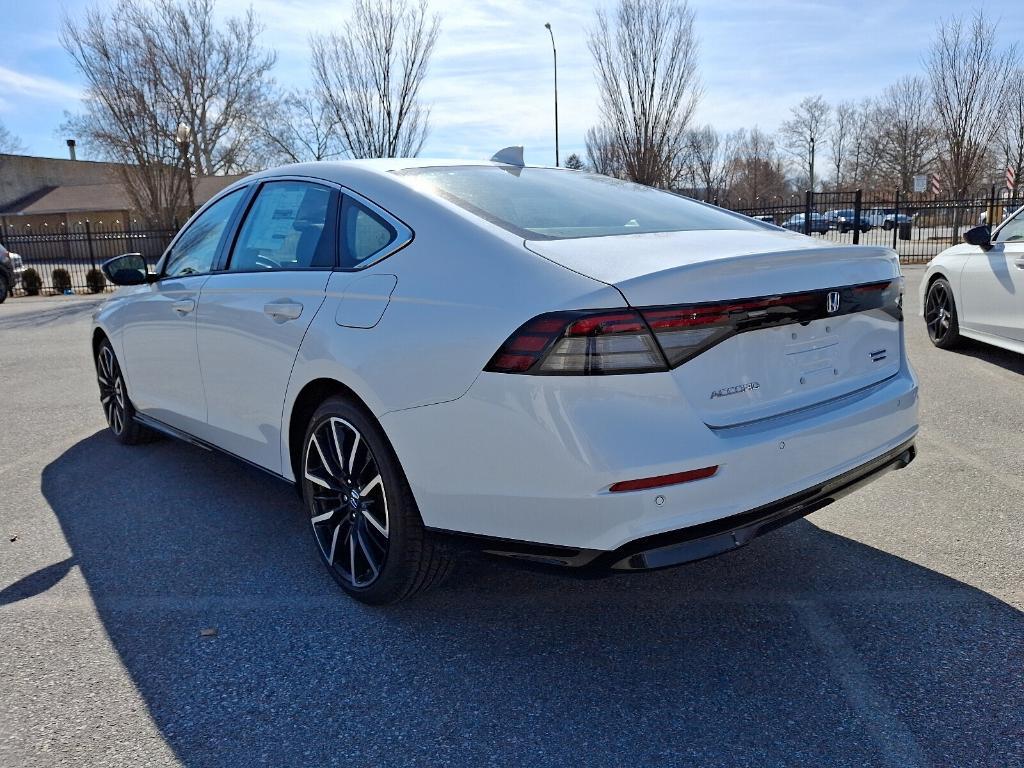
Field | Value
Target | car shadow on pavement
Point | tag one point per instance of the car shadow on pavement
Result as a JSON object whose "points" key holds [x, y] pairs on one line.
{"points": [[803, 648], [1011, 361], [34, 318]]}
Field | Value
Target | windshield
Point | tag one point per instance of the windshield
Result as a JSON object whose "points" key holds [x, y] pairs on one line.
{"points": [[546, 203]]}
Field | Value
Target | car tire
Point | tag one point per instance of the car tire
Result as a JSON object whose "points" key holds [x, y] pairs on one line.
{"points": [[364, 519], [887, 225], [4, 289], [940, 315], [117, 406]]}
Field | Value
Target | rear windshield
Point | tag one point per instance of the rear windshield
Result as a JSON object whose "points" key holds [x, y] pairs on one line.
{"points": [[546, 203]]}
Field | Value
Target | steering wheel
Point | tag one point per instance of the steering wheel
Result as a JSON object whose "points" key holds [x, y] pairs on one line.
{"points": [[266, 262]]}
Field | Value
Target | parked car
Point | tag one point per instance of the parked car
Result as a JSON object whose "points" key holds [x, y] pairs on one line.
{"points": [[843, 221], [976, 289], [886, 218], [766, 218], [11, 270], [542, 364], [795, 223]]}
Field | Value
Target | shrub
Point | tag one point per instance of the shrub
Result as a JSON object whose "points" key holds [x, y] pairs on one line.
{"points": [[61, 280], [31, 282], [95, 280]]}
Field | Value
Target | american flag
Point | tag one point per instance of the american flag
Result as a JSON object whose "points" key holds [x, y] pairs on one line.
{"points": [[1011, 179]]}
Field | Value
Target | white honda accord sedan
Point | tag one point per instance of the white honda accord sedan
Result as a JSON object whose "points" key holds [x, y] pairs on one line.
{"points": [[544, 364], [976, 289]]}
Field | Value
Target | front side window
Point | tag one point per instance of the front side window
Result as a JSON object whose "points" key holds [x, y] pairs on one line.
{"points": [[1013, 230], [196, 249], [547, 203], [288, 227]]}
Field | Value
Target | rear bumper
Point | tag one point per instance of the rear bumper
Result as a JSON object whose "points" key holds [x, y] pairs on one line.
{"points": [[692, 543]]}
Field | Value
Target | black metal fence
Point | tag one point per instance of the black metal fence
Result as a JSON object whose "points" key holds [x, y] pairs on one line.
{"points": [[76, 251], [917, 226]]}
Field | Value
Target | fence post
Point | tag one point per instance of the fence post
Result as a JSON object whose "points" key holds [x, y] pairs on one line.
{"points": [[857, 202], [88, 239], [808, 200], [990, 219], [896, 220]]}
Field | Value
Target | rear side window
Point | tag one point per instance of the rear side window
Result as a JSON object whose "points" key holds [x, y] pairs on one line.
{"points": [[289, 226], [547, 203], [365, 234], [195, 250]]}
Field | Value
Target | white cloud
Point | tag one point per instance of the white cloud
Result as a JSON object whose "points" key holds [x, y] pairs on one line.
{"points": [[37, 86]]}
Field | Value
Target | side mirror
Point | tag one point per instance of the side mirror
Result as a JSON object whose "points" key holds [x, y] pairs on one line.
{"points": [[129, 269], [979, 236]]}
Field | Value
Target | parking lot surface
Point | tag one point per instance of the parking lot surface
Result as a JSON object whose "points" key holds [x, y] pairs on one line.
{"points": [[161, 605]]}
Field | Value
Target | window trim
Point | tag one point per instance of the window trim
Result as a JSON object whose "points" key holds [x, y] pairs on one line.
{"points": [[223, 263], [998, 230], [404, 234], [229, 231]]}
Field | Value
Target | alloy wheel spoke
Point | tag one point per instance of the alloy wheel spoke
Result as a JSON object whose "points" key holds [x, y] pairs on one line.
{"points": [[334, 543], [383, 529], [370, 560]]}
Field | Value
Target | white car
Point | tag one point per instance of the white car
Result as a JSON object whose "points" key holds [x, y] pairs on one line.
{"points": [[976, 289], [533, 362], [885, 218]]}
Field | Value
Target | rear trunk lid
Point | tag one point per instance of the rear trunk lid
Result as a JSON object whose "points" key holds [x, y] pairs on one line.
{"points": [[767, 371]]}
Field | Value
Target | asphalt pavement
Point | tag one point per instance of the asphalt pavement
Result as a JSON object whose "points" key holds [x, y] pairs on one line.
{"points": [[162, 605]]}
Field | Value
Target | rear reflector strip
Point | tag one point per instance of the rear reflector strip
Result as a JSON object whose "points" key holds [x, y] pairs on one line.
{"points": [[662, 480]]}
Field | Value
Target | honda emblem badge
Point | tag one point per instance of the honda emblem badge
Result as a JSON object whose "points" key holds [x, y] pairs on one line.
{"points": [[832, 302]]}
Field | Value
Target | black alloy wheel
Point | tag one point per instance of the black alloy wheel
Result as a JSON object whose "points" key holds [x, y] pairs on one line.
{"points": [[362, 513], [940, 315], [117, 406]]}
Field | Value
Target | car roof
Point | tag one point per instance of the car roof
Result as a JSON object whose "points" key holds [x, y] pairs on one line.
{"points": [[339, 170]]}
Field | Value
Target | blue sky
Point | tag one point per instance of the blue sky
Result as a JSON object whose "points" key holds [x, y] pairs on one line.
{"points": [[490, 80]]}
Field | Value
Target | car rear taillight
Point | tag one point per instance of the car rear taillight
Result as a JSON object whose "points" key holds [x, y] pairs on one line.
{"points": [[652, 339], [574, 343]]}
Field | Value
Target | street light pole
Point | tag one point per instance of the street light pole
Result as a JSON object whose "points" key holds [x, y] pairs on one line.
{"points": [[183, 137], [554, 53]]}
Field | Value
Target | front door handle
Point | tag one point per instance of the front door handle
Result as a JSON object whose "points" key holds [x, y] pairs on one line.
{"points": [[184, 306], [1019, 263], [283, 311]]}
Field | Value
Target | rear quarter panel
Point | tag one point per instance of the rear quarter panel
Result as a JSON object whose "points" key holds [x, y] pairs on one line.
{"points": [[460, 289]]}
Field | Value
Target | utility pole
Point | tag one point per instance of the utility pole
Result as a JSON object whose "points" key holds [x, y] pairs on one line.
{"points": [[554, 53]]}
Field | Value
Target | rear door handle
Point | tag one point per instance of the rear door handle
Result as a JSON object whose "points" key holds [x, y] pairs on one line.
{"points": [[1019, 263], [283, 311], [184, 306]]}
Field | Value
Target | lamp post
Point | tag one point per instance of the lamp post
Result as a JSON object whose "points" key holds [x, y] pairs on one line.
{"points": [[554, 53], [183, 138]]}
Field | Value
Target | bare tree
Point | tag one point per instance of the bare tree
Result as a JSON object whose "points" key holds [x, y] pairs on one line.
{"points": [[708, 157], [803, 132], [9, 143], [858, 161], [574, 162], [968, 76], [757, 170], [603, 154], [150, 66], [218, 78], [1012, 139], [841, 136], [300, 128], [645, 61], [904, 135], [369, 76]]}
